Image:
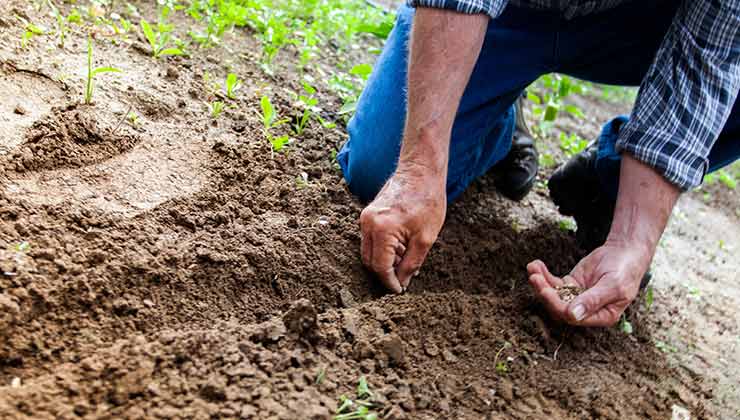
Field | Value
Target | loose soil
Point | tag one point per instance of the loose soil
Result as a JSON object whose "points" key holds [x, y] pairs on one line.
{"points": [[177, 269]]}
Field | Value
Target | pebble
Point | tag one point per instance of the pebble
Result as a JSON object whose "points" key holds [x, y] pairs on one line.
{"points": [[20, 110]]}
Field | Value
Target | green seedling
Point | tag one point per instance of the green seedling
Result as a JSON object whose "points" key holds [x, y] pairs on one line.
{"points": [[624, 325], [567, 225], [61, 22], [360, 408], [548, 103], [31, 31], [217, 108], [269, 122], [159, 39], [649, 297], [547, 160], [92, 72], [308, 102], [133, 119], [572, 145], [665, 347], [232, 85], [501, 366], [22, 247]]}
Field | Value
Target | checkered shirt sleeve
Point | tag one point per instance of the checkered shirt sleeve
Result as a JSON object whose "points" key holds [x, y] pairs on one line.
{"points": [[688, 93]]}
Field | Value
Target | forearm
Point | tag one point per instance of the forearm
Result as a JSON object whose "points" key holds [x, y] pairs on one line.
{"points": [[444, 48], [644, 205]]}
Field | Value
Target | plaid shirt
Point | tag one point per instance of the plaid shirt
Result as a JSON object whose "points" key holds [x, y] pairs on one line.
{"points": [[688, 92]]}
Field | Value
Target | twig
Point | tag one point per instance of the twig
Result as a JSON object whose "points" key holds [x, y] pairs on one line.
{"points": [[555, 355], [125, 115]]}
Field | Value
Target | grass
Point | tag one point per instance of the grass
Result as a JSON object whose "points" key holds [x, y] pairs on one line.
{"points": [[92, 72], [160, 36]]}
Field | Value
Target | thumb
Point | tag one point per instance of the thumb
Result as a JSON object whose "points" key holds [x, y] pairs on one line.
{"points": [[593, 307], [412, 259]]}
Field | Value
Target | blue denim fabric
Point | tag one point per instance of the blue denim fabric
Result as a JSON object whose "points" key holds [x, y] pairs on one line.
{"points": [[520, 45]]}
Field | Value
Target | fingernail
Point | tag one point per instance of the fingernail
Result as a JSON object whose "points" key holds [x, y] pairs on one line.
{"points": [[578, 312]]}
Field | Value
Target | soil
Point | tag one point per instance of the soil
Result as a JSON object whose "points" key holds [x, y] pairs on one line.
{"points": [[176, 269]]}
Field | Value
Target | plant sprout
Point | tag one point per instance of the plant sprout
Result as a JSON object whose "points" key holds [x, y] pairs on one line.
{"points": [[232, 85], [269, 122], [217, 108], [92, 72], [158, 40], [31, 31], [359, 409]]}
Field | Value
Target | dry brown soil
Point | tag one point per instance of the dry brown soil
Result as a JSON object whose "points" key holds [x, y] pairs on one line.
{"points": [[177, 269]]}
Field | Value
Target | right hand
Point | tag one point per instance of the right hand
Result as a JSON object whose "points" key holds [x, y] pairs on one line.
{"points": [[401, 224]]}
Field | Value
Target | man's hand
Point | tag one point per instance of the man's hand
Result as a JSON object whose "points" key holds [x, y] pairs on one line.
{"points": [[611, 274], [403, 221], [400, 226]]}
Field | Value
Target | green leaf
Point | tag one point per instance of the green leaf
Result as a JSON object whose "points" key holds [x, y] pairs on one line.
{"points": [[149, 34], [625, 326], [649, 297], [100, 70], [279, 142], [170, 51], [268, 111], [362, 70], [348, 108], [363, 390], [574, 110]]}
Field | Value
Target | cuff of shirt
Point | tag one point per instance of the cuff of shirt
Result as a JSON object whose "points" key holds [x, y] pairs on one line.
{"points": [[671, 157], [492, 8]]}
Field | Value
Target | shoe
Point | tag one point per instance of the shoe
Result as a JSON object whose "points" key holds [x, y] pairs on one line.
{"points": [[575, 189], [515, 175]]}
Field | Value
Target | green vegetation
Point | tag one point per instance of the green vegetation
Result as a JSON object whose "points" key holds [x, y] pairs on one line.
{"points": [[92, 72], [232, 85], [160, 37], [270, 121], [217, 108], [624, 325], [359, 408]]}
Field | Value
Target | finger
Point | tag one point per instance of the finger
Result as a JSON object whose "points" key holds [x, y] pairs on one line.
{"points": [[548, 296], [366, 247], [400, 250], [413, 259], [607, 316], [383, 257], [589, 306], [539, 267]]}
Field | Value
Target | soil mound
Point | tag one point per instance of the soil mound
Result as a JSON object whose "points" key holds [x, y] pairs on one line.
{"points": [[70, 137]]}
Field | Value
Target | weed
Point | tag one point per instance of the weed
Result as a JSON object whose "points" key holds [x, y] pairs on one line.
{"points": [[133, 119], [649, 297], [360, 408], [217, 108], [232, 85], [567, 225], [270, 121], [624, 325], [22, 247], [553, 89], [308, 102], [501, 366], [572, 145], [31, 31], [92, 72], [159, 38]]}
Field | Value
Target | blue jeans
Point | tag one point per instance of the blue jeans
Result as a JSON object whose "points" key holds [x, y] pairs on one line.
{"points": [[614, 47]]}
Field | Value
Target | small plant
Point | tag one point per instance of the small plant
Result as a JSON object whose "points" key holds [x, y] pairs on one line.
{"points": [[649, 297], [572, 145], [567, 225], [360, 408], [232, 85], [159, 39], [548, 102], [92, 72], [31, 31], [625, 326], [320, 376], [133, 119], [217, 108], [22, 247], [501, 366], [308, 102], [269, 122]]}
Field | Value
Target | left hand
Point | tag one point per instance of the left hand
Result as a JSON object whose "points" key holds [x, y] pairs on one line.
{"points": [[611, 275]]}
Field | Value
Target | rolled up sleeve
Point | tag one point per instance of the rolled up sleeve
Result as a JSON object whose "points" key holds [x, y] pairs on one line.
{"points": [[492, 8], [688, 93]]}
